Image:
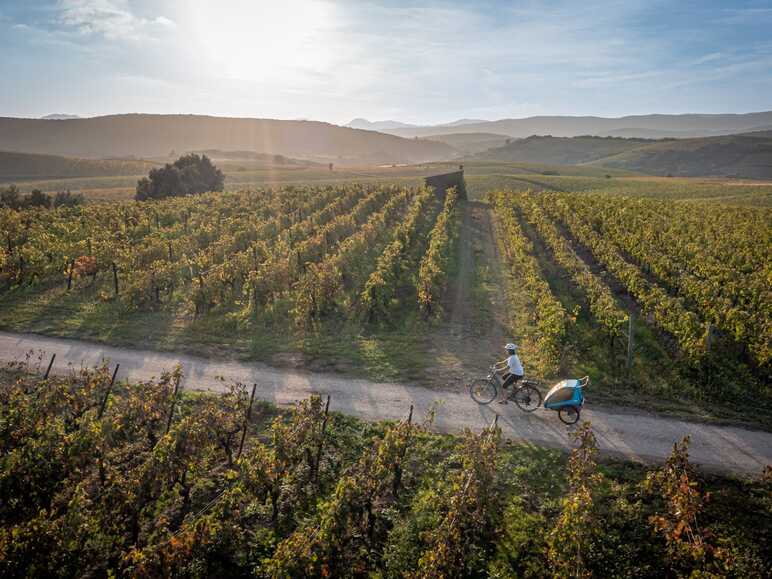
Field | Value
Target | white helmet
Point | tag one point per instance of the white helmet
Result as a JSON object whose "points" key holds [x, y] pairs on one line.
{"points": [[510, 346]]}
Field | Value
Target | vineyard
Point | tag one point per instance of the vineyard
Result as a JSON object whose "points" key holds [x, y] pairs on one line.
{"points": [[138, 479], [295, 257], [585, 179], [698, 275], [349, 276]]}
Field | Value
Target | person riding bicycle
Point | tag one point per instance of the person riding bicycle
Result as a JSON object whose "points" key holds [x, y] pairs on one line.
{"points": [[511, 370]]}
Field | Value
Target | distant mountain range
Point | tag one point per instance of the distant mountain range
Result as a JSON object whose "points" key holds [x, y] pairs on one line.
{"points": [[388, 126], [60, 117], [366, 125], [641, 126], [147, 136]]}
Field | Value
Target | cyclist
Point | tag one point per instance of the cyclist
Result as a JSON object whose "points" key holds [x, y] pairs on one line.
{"points": [[511, 370]]}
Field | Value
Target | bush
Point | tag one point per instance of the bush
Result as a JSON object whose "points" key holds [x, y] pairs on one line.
{"points": [[11, 199], [67, 199], [188, 175], [37, 199]]}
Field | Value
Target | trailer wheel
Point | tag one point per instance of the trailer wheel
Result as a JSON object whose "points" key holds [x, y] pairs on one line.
{"points": [[569, 415]]}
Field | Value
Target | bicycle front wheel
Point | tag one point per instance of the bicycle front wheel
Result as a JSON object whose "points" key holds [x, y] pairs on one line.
{"points": [[527, 398], [483, 391]]}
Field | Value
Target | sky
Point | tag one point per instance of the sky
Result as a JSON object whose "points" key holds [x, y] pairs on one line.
{"points": [[419, 62]]}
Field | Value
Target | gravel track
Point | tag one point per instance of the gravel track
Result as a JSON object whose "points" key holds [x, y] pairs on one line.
{"points": [[629, 434]]}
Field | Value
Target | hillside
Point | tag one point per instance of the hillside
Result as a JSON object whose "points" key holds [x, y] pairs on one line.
{"points": [[21, 166], [745, 156], [470, 143], [561, 150], [144, 135], [643, 126], [254, 158]]}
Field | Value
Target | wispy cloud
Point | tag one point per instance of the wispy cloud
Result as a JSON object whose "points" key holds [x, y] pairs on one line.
{"points": [[112, 19]]}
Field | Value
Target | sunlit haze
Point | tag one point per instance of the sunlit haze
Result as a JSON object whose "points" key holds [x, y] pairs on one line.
{"points": [[418, 62]]}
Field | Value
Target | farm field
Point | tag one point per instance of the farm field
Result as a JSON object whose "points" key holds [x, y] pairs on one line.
{"points": [[264, 273], [342, 278], [727, 192], [139, 478], [239, 176], [481, 176], [250, 175]]}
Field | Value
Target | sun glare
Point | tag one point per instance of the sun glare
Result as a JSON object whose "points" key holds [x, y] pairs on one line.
{"points": [[255, 40]]}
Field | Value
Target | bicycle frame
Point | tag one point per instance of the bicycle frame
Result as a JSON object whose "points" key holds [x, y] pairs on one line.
{"points": [[495, 377]]}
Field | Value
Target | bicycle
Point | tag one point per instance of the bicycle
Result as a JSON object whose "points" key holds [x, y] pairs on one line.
{"points": [[525, 394]]}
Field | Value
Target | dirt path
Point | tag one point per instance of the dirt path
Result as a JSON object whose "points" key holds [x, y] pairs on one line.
{"points": [[640, 437], [473, 332]]}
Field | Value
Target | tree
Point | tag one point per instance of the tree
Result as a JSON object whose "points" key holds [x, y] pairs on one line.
{"points": [[9, 197], [67, 199], [12, 199], [37, 199], [188, 175]]}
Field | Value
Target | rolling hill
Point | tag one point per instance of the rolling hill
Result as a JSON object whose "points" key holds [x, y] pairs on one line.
{"points": [[643, 126], [561, 150], [252, 157], [470, 143], [142, 135], [26, 166], [745, 156]]}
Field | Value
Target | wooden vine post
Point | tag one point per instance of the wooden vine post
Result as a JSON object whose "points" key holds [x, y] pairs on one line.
{"points": [[177, 380], [315, 474], [103, 405], [630, 342], [246, 422], [115, 277], [50, 364], [69, 275], [397, 483]]}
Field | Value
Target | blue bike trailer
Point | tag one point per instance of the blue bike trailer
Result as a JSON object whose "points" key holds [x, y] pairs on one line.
{"points": [[565, 393]]}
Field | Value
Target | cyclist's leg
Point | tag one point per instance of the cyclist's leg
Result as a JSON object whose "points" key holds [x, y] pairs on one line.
{"points": [[507, 381], [514, 380]]}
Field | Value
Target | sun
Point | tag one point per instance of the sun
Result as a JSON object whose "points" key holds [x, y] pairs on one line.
{"points": [[261, 39]]}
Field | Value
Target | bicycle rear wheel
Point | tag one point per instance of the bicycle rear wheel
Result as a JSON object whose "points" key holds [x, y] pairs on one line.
{"points": [[527, 398], [483, 391]]}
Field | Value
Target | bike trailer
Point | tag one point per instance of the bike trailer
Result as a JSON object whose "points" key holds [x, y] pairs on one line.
{"points": [[566, 393]]}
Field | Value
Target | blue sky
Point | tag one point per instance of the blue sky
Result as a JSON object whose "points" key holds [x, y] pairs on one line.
{"points": [[421, 62]]}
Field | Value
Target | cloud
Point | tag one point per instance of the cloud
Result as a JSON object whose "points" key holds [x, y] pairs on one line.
{"points": [[111, 19], [165, 22]]}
